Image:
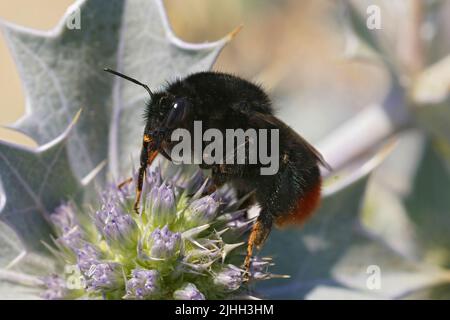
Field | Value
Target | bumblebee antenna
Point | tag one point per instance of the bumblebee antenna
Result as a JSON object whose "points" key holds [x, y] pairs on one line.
{"points": [[129, 79]]}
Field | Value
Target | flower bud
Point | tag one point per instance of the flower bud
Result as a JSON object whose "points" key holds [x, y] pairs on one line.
{"points": [[160, 206], [56, 288], [118, 227], [144, 284], [188, 292], [164, 244], [72, 239], [87, 255], [64, 218], [203, 210], [258, 268], [229, 278], [101, 276], [190, 184], [153, 178], [70, 234]]}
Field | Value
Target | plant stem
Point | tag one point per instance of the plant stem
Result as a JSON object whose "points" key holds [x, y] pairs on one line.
{"points": [[365, 131]]}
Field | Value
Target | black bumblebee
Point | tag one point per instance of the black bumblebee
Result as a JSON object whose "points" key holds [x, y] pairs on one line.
{"points": [[224, 101]]}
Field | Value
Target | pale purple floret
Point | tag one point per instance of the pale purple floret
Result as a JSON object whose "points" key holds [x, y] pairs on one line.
{"points": [[71, 239], [64, 217], [116, 226], [259, 268], [227, 195], [98, 274], [144, 284], [153, 178], [164, 243], [190, 184], [70, 234], [104, 275], [203, 210], [113, 196], [87, 255], [229, 278], [121, 229], [161, 204], [55, 288], [188, 292], [239, 226]]}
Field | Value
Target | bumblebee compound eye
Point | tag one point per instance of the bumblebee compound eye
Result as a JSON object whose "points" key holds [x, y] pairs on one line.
{"points": [[177, 113]]}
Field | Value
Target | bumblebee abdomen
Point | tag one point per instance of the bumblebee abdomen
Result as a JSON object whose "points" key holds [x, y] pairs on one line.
{"points": [[291, 195], [303, 209]]}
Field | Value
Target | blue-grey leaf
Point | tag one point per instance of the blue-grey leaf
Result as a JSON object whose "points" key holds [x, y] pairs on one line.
{"points": [[10, 246], [35, 182], [428, 205], [309, 255], [62, 72], [13, 291]]}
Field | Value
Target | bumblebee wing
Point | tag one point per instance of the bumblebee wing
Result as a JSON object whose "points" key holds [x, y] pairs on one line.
{"points": [[317, 154], [259, 119]]}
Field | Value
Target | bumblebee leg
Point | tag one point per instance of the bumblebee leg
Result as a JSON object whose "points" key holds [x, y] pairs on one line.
{"points": [[137, 200], [211, 189], [144, 161], [165, 155], [258, 236], [160, 141], [141, 175], [124, 183]]}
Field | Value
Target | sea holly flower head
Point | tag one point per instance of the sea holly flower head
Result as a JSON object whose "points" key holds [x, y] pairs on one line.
{"points": [[185, 244]]}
